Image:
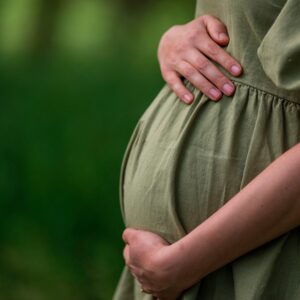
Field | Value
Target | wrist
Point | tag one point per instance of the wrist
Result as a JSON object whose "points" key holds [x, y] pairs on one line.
{"points": [[193, 259], [167, 265], [180, 262]]}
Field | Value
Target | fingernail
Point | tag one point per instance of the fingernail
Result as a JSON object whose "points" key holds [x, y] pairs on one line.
{"points": [[235, 69], [215, 94], [188, 98], [228, 88], [223, 36]]}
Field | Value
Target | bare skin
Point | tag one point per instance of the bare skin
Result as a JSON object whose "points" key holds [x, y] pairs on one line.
{"points": [[188, 51], [270, 206]]}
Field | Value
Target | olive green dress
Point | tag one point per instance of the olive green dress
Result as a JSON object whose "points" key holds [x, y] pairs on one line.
{"points": [[184, 162]]}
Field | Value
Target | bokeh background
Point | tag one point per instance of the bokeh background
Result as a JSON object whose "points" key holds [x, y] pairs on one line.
{"points": [[75, 75]]}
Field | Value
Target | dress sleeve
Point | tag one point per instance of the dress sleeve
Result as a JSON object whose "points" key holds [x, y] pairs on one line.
{"points": [[279, 51]]}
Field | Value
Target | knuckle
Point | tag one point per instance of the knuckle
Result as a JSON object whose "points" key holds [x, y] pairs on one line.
{"points": [[191, 36], [206, 89], [167, 77], [172, 60], [205, 17], [211, 50], [209, 19], [189, 72], [202, 64], [180, 47], [172, 81], [225, 60], [202, 18], [201, 86], [177, 88], [219, 78]]}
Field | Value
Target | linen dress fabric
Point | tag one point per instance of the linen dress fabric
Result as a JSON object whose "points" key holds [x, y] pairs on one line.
{"points": [[184, 162]]}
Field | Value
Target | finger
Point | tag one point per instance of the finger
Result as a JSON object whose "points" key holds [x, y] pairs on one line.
{"points": [[135, 272], [209, 48], [128, 235], [210, 71], [135, 275], [146, 290], [126, 254], [216, 29], [138, 273], [198, 80], [176, 84]]}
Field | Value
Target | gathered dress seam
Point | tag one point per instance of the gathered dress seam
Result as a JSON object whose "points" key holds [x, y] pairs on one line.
{"points": [[277, 97]]}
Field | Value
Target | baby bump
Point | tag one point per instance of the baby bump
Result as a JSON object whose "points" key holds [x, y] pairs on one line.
{"points": [[172, 185], [185, 162], [159, 187]]}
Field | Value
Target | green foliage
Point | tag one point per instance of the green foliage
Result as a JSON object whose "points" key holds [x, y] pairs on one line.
{"points": [[65, 120]]}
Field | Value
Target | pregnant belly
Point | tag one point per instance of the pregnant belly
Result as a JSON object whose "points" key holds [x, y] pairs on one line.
{"points": [[184, 162], [170, 189]]}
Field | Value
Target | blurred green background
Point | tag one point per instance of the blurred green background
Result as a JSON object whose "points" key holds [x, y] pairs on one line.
{"points": [[75, 75]]}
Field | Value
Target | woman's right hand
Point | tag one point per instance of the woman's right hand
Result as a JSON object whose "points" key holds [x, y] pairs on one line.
{"points": [[188, 51]]}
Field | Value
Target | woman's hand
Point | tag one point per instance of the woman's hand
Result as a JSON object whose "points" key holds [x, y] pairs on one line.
{"points": [[187, 51], [148, 257]]}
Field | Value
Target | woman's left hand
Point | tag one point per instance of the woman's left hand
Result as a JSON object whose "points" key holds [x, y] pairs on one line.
{"points": [[150, 260]]}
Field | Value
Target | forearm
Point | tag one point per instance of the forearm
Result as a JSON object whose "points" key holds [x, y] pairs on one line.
{"points": [[265, 209]]}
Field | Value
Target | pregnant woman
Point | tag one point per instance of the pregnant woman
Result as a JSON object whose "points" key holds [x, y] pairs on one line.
{"points": [[210, 191]]}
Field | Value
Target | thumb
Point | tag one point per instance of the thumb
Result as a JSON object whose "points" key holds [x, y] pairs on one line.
{"points": [[128, 235], [216, 29]]}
